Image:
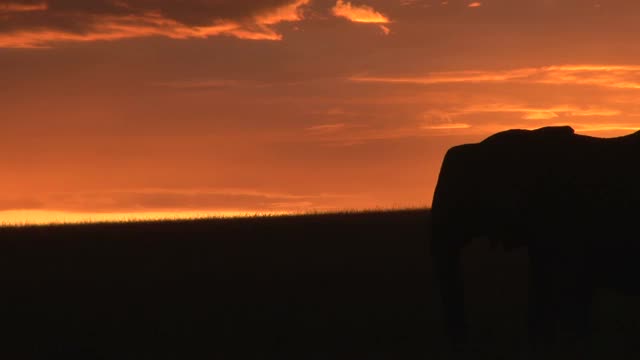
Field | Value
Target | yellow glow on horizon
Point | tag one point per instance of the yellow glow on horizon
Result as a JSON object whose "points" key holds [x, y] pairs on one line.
{"points": [[44, 217]]}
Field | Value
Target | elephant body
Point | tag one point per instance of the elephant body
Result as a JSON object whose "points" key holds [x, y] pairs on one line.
{"points": [[572, 200]]}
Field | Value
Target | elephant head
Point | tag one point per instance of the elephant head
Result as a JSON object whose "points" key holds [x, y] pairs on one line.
{"points": [[494, 190]]}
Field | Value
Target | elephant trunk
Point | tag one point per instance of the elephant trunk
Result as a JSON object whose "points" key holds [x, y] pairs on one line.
{"points": [[447, 240], [447, 266]]}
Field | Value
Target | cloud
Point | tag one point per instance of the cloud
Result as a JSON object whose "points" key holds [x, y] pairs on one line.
{"points": [[29, 24], [167, 200], [610, 76], [325, 128], [204, 84], [598, 129], [539, 113], [15, 7], [472, 76], [445, 119], [475, 4], [588, 102], [472, 119], [446, 126], [620, 77], [478, 117], [43, 24], [468, 114], [485, 128], [342, 135], [339, 134], [361, 14], [605, 127]]}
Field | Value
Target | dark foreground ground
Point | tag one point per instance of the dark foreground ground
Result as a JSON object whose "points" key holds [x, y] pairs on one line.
{"points": [[356, 286]]}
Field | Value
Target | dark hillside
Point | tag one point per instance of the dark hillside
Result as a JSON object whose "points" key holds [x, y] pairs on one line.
{"points": [[323, 284], [320, 286]]}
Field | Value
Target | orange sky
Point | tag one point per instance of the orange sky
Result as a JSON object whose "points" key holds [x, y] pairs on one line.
{"points": [[140, 108]]}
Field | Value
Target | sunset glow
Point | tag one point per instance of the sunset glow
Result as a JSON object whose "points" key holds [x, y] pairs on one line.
{"points": [[144, 109], [34, 217]]}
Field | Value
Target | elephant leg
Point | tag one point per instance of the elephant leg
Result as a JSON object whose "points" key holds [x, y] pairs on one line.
{"points": [[583, 307], [572, 289], [541, 309], [582, 301], [448, 271]]}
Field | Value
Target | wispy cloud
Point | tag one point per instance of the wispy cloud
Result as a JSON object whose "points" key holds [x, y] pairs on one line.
{"points": [[605, 127], [42, 25], [478, 119], [446, 126], [539, 113], [472, 118], [17, 7], [166, 200], [611, 76], [408, 2], [599, 129], [621, 77], [486, 128], [326, 128], [475, 4], [361, 14], [471, 76], [203, 84]]}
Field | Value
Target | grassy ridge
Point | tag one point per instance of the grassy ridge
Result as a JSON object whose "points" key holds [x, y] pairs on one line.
{"points": [[333, 284], [356, 285]]}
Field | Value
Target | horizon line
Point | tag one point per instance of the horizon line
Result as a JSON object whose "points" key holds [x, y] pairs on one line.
{"points": [[37, 218]]}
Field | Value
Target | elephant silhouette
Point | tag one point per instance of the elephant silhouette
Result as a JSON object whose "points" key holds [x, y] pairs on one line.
{"points": [[572, 200]]}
